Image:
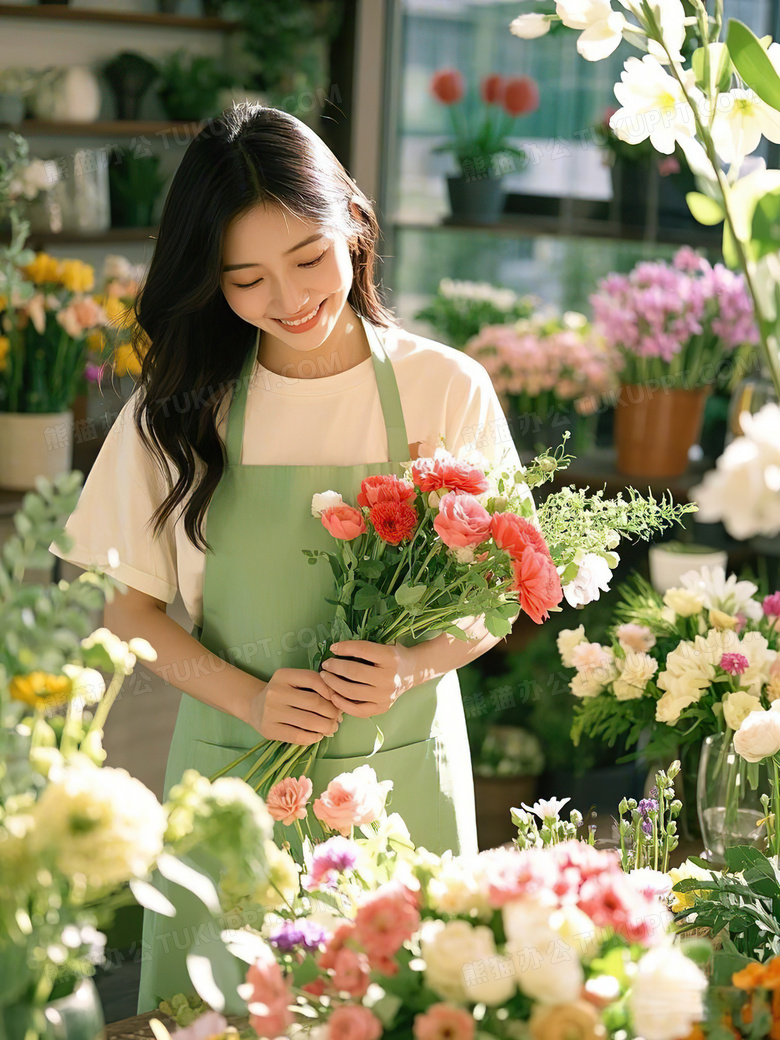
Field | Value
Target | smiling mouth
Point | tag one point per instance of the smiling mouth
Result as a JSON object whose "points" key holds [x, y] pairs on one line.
{"points": [[301, 321]]}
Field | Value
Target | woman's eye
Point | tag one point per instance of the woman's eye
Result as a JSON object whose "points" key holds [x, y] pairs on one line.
{"points": [[313, 263], [249, 286]]}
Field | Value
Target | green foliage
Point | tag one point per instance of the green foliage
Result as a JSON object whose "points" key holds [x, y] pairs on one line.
{"points": [[753, 63], [189, 85], [460, 309]]}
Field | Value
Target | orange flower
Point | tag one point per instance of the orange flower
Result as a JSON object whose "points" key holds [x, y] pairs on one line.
{"points": [[772, 975], [747, 1012], [750, 977], [40, 690], [696, 1033]]}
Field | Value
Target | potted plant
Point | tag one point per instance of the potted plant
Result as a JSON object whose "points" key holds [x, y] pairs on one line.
{"points": [[15, 84], [135, 184], [678, 327], [505, 772], [551, 373], [189, 85], [460, 309], [481, 127]]}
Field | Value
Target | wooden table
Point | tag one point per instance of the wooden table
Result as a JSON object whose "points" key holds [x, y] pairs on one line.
{"points": [[138, 1028]]}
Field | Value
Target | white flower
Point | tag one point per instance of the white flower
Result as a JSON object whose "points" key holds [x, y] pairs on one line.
{"points": [[546, 972], [325, 500], [635, 637], [547, 808], [456, 891], [101, 824], [741, 118], [737, 706], [636, 671], [592, 578], [670, 18], [742, 490], [142, 649], [759, 736], [122, 658], [435, 497], [39, 175], [281, 884], [206, 1027], [602, 28], [88, 685], [666, 999], [652, 883], [594, 659], [684, 602], [455, 953], [567, 639], [585, 684], [463, 553], [530, 26], [653, 105], [690, 670], [721, 593], [760, 658]]}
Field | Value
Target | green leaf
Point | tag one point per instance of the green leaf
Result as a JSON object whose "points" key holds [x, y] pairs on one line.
{"points": [[753, 63], [704, 209], [371, 569], [365, 598], [724, 72], [765, 232], [497, 626], [453, 630], [408, 595]]}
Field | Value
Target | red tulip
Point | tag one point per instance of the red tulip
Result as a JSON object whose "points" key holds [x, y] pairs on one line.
{"points": [[521, 96], [447, 86], [492, 89]]}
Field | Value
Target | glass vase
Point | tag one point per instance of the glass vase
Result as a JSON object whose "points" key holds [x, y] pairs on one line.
{"points": [[728, 799]]}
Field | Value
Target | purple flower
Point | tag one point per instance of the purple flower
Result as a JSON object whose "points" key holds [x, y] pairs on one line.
{"points": [[298, 933], [734, 664], [647, 826], [93, 372], [648, 805], [332, 857], [772, 605]]}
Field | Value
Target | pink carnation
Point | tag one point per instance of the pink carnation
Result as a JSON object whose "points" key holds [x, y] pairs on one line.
{"points": [[461, 521], [288, 799], [351, 972], [444, 1022], [271, 997], [353, 1022], [386, 919]]}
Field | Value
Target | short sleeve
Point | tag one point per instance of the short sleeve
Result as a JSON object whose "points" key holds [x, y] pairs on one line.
{"points": [[120, 495], [475, 418]]}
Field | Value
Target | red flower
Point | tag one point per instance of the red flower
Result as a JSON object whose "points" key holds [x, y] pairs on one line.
{"points": [[394, 522], [384, 488], [521, 96], [492, 89], [447, 472], [447, 86], [516, 535], [537, 584]]}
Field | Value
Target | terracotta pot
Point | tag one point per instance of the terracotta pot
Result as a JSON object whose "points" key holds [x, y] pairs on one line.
{"points": [[34, 445], [495, 797], [655, 429]]}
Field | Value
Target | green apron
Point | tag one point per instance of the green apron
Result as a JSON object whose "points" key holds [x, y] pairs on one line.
{"points": [[264, 606]]}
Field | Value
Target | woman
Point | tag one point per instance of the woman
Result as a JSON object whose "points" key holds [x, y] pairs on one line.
{"points": [[268, 335]]}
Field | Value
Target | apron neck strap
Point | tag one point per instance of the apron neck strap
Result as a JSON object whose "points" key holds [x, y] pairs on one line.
{"points": [[390, 399]]}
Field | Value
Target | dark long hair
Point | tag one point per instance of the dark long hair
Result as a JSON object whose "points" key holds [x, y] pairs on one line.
{"points": [[191, 344]]}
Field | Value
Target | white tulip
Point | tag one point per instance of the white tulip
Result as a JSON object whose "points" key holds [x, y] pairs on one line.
{"points": [[653, 105], [601, 27], [325, 500], [759, 736], [530, 26]]}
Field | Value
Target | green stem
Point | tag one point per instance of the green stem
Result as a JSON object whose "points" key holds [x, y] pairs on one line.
{"points": [[101, 713]]}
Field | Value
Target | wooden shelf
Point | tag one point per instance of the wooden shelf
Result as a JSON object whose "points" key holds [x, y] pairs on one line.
{"points": [[65, 13], [109, 237], [102, 128]]}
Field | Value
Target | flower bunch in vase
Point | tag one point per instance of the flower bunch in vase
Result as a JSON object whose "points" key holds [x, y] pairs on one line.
{"points": [[552, 373], [111, 345], [685, 669], [460, 309]]}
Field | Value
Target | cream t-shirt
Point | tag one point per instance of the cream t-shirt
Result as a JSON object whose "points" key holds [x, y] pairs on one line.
{"points": [[334, 419]]}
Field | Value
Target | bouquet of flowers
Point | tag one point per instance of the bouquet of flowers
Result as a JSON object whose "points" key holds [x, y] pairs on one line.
{"points": [[677, 322], [387, 940], [684, 665], [45, 346], [111, 345], [547, 367], [460, 309], [457, 539]]}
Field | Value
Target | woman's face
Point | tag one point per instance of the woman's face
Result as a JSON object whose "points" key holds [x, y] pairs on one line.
{"points": [[278, 268]]}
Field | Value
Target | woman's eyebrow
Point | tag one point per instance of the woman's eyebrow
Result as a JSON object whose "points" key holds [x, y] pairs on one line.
{"points": [[306, 242]]}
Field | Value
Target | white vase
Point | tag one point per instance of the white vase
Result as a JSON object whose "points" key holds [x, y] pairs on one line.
{"points": [[68, 94], [668, 565], [34, 445]]}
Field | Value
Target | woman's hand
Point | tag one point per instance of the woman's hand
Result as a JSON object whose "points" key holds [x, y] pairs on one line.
{"points": [[367, 678], [295, 706]]}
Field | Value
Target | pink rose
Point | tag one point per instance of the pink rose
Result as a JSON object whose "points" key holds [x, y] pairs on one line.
{"points": [[343, 522], [352, 799], [385, 919], [326, 959], [384, 488], [287, 800], [445, 471], [68, 320], [269, 1012], [88, 312], [461, 521], [353, 1022], [442, 1021], [351, 973]]}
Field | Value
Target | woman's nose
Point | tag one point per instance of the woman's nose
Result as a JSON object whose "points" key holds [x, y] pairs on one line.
{"points": [[291, 299]]}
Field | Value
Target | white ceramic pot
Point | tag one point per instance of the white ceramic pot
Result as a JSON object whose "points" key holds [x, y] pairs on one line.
{"points": [[70, 94], [668, 565], [34, 445]]}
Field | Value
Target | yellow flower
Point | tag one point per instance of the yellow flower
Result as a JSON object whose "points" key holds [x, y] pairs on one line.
{"points": [[40, 689], [44, 268], [685, 900], [5, 346], [125, 361], [721, 620], [116, 311], [77, 276], [3, 302], [96, 341]]}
